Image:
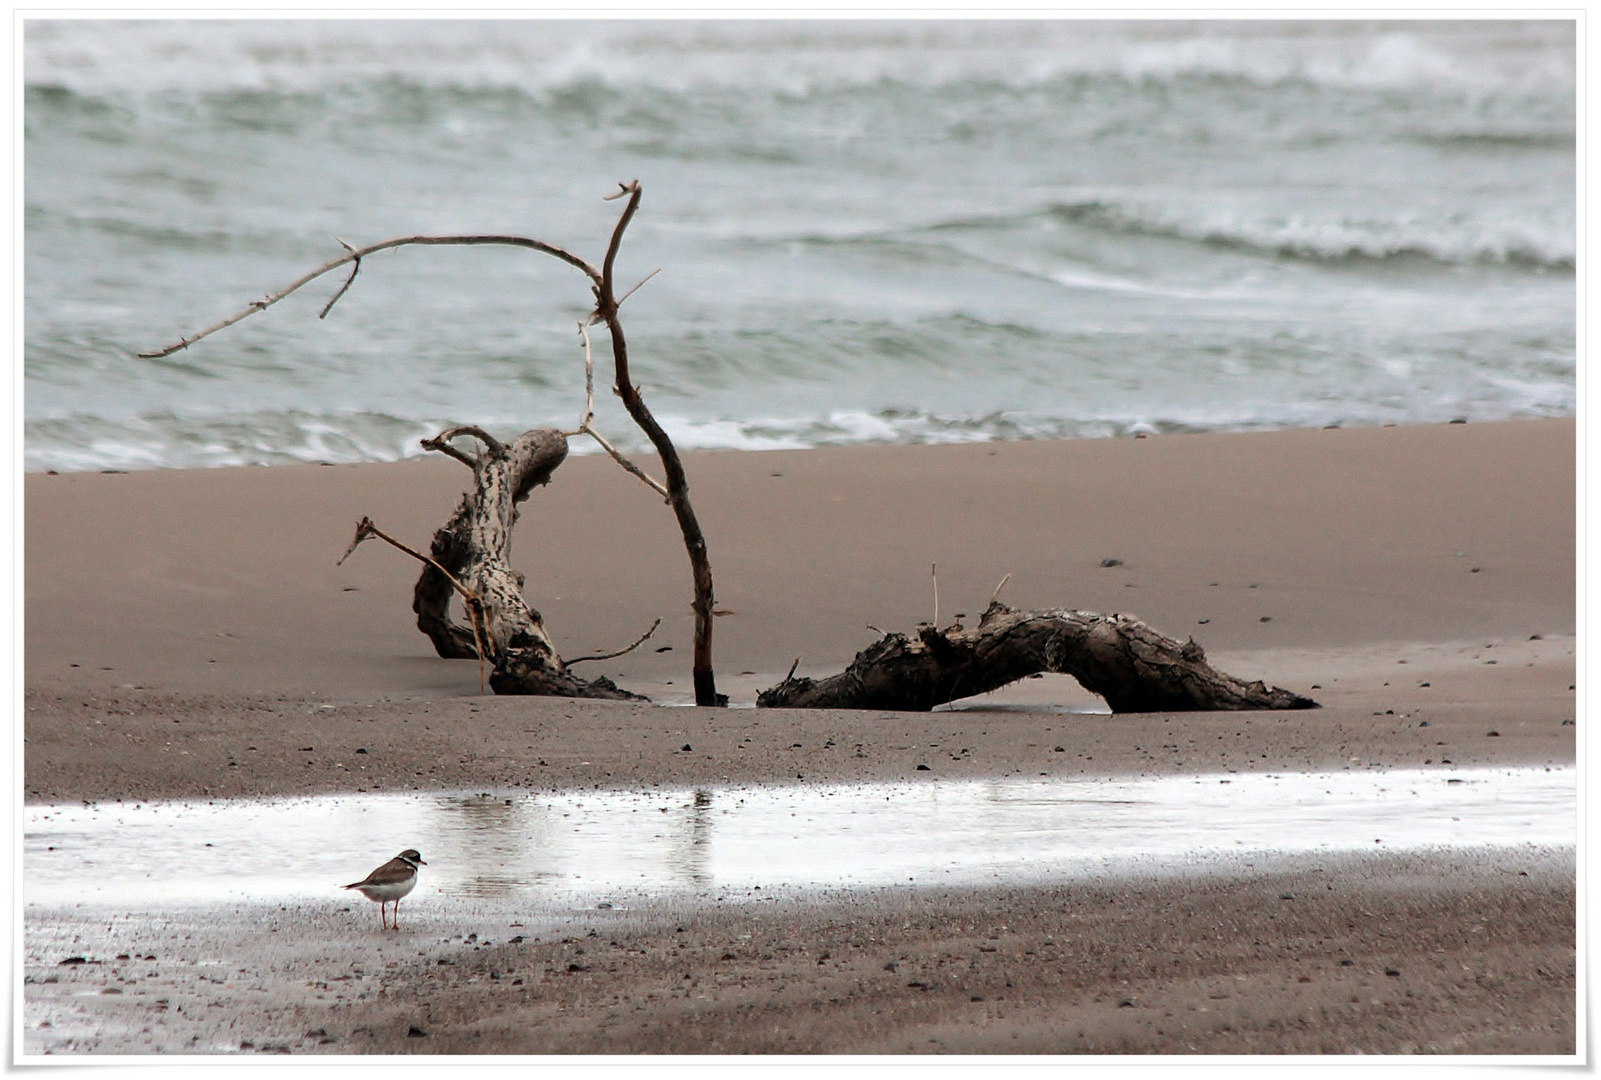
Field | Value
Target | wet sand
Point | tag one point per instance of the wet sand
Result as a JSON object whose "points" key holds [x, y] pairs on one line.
{"points": [[188, 635]]}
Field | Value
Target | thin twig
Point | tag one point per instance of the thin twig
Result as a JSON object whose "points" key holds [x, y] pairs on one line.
{"points": [[792, 668], [996, 594], [354, 270], [588, 428], [470, 600], [607, 656], [635, 289], [365, 528], [933, 571], [361, 253]]}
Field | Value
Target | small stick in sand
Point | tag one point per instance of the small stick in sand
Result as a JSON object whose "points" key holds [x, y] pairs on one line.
{"points": [[608, 656], [996, 595], [933, 572]]}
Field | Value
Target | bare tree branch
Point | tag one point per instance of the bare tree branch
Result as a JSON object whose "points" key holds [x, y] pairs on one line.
{"points": [[677, 483], [359, 254]]}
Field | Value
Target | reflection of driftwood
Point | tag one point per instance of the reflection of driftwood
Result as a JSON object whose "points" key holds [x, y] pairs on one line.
{"points": [[1118, 657]]}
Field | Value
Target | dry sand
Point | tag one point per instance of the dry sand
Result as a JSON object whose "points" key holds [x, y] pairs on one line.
{"points": [[188, 635]]}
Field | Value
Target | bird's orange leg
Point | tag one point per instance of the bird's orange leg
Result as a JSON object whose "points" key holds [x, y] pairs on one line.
{"points": [[382, 919], [396, 919]]}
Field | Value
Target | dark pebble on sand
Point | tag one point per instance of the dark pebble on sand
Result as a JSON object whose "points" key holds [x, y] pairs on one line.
{"points": [[923, 768], [1111, 562], [688, 748], [415, 1032]]}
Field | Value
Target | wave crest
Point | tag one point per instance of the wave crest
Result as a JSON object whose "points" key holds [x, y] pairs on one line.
{"points": [[1449, 238]]}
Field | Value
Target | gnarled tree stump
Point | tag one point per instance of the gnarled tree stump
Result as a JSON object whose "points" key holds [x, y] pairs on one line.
{"points": [[1118, 657], [474, 548]]}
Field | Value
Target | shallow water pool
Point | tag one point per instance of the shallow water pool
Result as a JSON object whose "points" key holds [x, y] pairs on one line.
{"points": [[610, 847]]}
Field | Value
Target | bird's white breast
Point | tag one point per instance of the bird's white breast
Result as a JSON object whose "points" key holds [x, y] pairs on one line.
{"points": [[389, 892]]}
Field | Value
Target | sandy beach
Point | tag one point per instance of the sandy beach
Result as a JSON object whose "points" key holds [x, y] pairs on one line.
{"points": [[189, 636]]}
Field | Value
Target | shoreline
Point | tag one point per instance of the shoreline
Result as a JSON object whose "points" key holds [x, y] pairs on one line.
{"points": [[1397, 575]]}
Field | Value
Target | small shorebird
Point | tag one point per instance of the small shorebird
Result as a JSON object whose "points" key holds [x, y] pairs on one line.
{"points": [[391, 881]]}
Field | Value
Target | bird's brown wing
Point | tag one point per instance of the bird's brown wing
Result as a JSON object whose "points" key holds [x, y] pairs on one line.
{"points": [[390, 873]]}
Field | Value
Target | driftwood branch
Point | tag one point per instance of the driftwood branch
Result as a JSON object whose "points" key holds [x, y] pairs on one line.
{"points": [[677, 483], [355, 256], [474, 547], [676, 488], [1135, 668]]}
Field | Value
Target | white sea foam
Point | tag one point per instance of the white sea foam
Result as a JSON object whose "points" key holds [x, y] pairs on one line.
{"points": [[868, 231], [795, 58]]}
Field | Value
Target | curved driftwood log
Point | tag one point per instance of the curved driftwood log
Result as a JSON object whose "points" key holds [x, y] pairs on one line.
{"points": [[474, 549], [1118, 657]]}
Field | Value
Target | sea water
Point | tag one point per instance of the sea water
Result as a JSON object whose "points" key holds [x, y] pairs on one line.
{"points": [[867, 231]]}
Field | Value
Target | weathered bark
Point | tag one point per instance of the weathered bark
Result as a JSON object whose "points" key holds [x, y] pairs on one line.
{"points": [[474, 547], [1118, 657]]}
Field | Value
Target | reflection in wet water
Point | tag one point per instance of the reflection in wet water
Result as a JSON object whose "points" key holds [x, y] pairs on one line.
{"points": [[610, 846]]}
